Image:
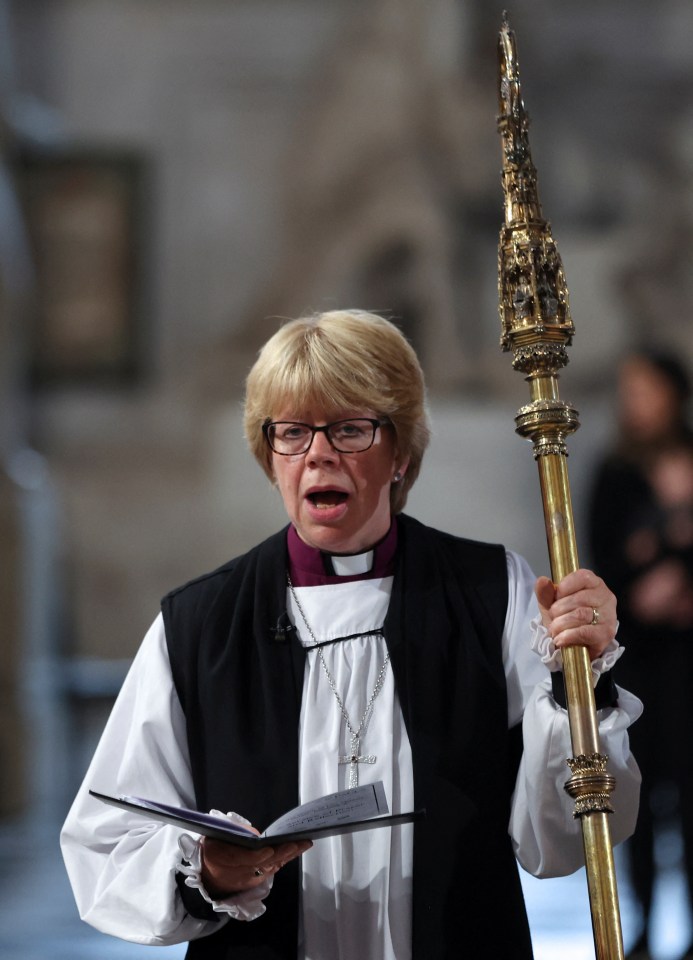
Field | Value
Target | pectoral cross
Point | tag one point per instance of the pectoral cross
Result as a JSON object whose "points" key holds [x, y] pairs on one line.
{"points": [[353, 759]]}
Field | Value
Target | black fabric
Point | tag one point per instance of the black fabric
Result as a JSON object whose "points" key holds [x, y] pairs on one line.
{"points": [[443, 630], [633, 535], [605, 692], [231, 675]]}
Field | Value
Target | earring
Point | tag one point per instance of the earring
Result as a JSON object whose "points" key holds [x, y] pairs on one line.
{"points": [[397, 477]]}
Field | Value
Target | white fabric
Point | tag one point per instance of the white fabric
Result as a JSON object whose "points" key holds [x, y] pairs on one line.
{"points": [[123, 868], [352, 565], [356, 889], [245, 906], [552, 657]]}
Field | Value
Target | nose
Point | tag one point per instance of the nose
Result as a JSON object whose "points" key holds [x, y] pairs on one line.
{"points": [[321, 450]]}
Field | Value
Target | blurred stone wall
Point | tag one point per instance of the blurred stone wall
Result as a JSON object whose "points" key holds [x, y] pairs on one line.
{"points": [[303, 155]]}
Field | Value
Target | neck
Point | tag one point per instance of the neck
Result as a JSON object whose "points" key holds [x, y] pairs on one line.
{"points": [[310, 567]]}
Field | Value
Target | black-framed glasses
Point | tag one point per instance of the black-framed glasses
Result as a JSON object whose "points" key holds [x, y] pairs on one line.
{"points": [[287, 437]]}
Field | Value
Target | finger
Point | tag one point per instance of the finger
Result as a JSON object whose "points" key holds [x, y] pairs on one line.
{"points": [[578, 626], [590, 621], [222, 879], [577, 581], [228, 855], [235, 880], [577, 629], [583, 591], [545, 593], [582, 610], [593, 617], [231, 868], [595, 643], [290, 851]]}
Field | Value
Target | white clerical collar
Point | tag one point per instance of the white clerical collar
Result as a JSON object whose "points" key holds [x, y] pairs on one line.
{"points": [[352, 565]]}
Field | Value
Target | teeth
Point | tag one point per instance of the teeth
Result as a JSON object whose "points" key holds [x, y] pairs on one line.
{"points": [[323, 501]]}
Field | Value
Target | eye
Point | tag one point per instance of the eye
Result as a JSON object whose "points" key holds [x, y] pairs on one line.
{"points": [[291, 431], [348, 430]]}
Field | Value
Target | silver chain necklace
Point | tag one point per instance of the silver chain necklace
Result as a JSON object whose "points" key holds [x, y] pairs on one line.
{"points": [[353, 758]]}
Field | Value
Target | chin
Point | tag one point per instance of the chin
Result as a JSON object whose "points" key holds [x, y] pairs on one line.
{"points": [[333, 544], [329, 540]]}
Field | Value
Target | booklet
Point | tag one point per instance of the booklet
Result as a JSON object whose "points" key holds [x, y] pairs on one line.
{"points": [[349, 811]]}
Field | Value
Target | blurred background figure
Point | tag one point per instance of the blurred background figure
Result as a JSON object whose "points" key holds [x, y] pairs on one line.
{"points": [[641, 525]]}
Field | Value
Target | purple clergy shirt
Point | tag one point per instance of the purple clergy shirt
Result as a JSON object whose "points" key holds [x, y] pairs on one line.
{"points": [[310, 567]]}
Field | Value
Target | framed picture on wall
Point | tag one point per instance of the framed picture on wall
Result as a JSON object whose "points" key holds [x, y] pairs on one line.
{"points": [[87, 222]]}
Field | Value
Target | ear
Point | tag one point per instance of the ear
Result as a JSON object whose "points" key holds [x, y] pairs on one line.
{"points": [[401, 470]]}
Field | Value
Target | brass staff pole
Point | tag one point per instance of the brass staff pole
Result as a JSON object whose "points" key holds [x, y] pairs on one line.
{"points": [[537, 328]]}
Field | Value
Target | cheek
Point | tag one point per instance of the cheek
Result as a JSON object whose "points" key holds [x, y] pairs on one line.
{"points": [[290, 501], [280, 476], [285, 481], [376, 486]]}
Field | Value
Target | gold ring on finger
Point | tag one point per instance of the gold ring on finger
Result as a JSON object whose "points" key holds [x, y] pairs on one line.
{"points": [[595, 617]]}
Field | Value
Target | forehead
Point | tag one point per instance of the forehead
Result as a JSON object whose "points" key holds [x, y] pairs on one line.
{"points": [[318, 415]]}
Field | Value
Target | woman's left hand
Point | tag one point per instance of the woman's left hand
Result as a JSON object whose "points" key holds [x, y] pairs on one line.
{"points": [[581, 610]]}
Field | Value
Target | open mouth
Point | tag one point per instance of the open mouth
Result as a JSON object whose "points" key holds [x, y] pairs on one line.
{"points": [[323, 499]]}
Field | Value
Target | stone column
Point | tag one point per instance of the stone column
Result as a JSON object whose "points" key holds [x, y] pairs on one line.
{"points": [[13, 740]]}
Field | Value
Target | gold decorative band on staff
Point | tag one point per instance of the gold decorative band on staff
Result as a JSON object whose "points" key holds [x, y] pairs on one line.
{"points": [[590, 785], [547, 423]]}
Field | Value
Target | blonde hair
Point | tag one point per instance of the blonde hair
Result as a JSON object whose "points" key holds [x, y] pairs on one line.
{"points": [[341, 360]]}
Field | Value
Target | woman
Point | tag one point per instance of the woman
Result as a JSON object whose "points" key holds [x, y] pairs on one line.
{"points": [[356, 644], [642, 540]]}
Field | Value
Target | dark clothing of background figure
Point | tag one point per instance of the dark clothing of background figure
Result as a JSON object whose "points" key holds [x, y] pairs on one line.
{"points": [[632, 534]]}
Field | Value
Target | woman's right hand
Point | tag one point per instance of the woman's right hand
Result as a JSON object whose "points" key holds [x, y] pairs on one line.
{"points": [[227, 869]]}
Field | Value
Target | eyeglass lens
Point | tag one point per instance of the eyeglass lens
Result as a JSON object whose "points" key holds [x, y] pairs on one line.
{"points": [[346, 436]]}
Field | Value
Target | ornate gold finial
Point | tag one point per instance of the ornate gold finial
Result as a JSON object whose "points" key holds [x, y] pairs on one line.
{"points": [[533, 297]]}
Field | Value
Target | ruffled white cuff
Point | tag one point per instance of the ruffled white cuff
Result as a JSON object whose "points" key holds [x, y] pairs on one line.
{"points": [[543, 645], [245, 905]]}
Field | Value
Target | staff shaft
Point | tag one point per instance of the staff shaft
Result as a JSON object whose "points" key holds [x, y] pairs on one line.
{"points": [[600, 869], [590, 785], [537, 328]]}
